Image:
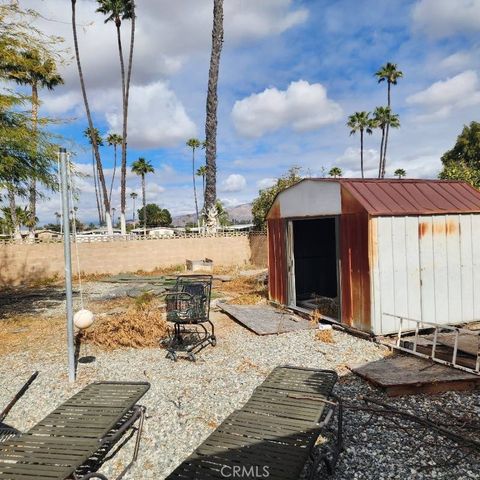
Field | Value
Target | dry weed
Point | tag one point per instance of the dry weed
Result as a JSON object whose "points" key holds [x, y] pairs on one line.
{"points": [[142, 325], [247, 299], [325, 336]]}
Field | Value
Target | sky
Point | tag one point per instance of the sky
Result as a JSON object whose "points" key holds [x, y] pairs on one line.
{"points": [[291, 72]]}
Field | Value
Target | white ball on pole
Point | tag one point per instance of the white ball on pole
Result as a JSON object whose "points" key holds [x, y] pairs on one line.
{"points": [[83, 319]]}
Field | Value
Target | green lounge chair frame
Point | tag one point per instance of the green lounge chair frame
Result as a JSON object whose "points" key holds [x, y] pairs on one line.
{"points": [[274, 434], [6, 431], [78, 436]]}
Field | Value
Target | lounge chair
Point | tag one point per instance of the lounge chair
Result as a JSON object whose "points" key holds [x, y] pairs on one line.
{"points": [[78, 436], [6, 431], [274, 434]]}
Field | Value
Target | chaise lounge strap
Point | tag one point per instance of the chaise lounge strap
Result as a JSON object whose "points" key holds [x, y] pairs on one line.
{"points": [[64, 440], [272, 435]]}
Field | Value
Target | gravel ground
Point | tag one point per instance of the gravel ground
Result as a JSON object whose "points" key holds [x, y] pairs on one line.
{"points": [[188, 400]]}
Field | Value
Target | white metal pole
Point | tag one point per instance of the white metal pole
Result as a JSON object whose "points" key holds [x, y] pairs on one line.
{"points": [[68, 263]]}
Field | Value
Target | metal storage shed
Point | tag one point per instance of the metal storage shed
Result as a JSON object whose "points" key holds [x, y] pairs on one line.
{"points": [[408, 248]]}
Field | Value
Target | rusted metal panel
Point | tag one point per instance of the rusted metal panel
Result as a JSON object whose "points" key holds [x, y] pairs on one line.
{"points": [[355, 266], [277, 264], [413, 197]]}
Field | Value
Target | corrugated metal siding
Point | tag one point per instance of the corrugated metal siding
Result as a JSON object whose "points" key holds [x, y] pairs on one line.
{"points": [[277, 261], [425, 267], [355, 267], [413, 197]]}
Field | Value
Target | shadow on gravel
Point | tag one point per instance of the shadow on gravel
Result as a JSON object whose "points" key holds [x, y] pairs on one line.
{"points": [[28, 301]]}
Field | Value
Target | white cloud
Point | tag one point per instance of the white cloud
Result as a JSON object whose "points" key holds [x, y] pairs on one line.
{"points": [[457, 61], [441, 18], [447, 92], [349, 161], [445, 95], [303, 106], [156, 118], [167, 34], [265, 183], [250, 19], [234, 183]]}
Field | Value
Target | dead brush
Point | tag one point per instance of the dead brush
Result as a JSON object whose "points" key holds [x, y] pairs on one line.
{"points": [[247, 299], [326, 335], [247, 291], [142, 325]]}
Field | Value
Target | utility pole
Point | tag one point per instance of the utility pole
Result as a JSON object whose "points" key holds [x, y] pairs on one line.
{"points": [[68, 262]]}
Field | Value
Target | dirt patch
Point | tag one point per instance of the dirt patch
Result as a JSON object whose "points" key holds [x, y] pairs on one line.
{"points": [[25, 332]]}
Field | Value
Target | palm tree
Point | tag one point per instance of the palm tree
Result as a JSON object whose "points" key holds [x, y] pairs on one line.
{"points": [[194, 143], [211, 118], [390, 74], [335, 172], [116, 11], [133, 196], [201, 172], [113, 139], [98, 193], [37, 72], [400, 173], [58, 216], [101, 177], [383, 117], [142, 167], [360, 122]]}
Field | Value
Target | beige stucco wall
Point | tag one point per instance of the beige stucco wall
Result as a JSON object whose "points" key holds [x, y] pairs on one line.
{"points": [[20, 263]]}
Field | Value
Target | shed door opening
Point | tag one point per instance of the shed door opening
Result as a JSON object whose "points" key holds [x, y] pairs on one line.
{"points": [[316, 265]]}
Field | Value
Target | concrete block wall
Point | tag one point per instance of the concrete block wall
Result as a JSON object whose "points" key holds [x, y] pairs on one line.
{"points": [[23, 263]]}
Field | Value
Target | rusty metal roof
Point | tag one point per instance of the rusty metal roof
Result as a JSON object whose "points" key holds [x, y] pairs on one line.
{"points": [[413, 197]]}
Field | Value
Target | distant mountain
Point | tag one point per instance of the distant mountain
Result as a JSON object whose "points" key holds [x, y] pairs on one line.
{"points": [[240, 213]]}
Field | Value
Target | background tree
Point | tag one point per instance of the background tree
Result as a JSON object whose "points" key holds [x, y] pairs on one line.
{"points": [[211, 118], [142, 167], [390, 74], [201, 172], [27, 151], [462, 162], [360, 122], [113, 139], [58, 216], [194, 143], [37, 70], [116, 11], [95, 146], [133, 196], [335, 172], [383, 117], [400, 173], [261, 205], [156, 216], [223, 217], [98, 193]]}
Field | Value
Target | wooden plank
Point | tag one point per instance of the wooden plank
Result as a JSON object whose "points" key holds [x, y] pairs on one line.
{"points": [[406, 375], [266, 320], [468, 343]]}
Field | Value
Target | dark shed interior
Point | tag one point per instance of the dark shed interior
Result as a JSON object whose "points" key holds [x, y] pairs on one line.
{"points": [[315, 251]]}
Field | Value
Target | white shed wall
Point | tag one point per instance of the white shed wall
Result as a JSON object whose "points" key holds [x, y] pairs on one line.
{"points": [[426, 268], [310, 198]]}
